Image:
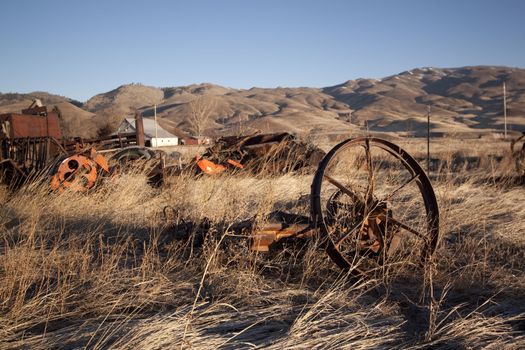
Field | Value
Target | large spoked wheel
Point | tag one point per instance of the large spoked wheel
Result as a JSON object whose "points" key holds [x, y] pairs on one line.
{"points": [[373, 204]]}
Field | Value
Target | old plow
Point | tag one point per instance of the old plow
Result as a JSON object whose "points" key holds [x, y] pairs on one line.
{"points": [[370, 203]]}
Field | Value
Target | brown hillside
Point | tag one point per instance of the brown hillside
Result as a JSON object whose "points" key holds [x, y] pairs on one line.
{"points": [[124, 100], [461, 100]]}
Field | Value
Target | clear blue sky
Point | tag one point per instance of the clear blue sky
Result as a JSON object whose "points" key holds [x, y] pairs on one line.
{"points": [[81, 48]]}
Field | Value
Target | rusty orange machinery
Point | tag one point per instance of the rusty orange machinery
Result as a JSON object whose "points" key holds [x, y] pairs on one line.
{"points": [[210, 168], [263, 237], [79, 172], [28, 141]]}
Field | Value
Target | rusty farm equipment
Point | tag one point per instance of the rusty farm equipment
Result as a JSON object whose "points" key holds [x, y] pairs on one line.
{"points": [[28, 143], [78, 172], [370, 203], [260, 154], [371, 198], [31, 145]]}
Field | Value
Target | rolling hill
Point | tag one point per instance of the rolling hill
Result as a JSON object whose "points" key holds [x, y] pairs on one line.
{"points": [[465, 100]]}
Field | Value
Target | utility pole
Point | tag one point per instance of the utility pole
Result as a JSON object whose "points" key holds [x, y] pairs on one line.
{"points": [[428, 139], [505, 108], [156, 132]]}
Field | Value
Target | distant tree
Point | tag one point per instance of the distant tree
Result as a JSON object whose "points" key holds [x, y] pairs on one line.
{"points": [[201, 109], [108, 121], [57, 111], [76, 103], [105, 130]]}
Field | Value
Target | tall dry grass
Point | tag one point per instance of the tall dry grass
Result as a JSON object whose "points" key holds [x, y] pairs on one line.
{"points": [[103, 270]]}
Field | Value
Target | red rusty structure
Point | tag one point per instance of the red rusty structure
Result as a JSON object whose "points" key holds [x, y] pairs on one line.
{"points": [[34, 121], [31, 143], [28, 142]]}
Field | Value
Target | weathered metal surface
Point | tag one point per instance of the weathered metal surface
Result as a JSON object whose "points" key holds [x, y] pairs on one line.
{"points": [[78, 172], [267, 153], [31, 142], [369, 220], [26, 125], [209, 167], [21, 157], [28, 143], [263, 237]]}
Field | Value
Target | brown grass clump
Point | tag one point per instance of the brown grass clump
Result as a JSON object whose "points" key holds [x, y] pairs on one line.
{"points": [[103, 270]]}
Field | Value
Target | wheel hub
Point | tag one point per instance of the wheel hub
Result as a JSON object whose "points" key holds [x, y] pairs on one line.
{"points": [[371, 231]]}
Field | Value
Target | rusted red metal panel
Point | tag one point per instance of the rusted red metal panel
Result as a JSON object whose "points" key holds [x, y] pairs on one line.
{"points": [[26, 125], [190, 141]]}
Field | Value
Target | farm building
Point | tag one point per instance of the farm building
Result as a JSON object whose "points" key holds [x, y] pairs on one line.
{"points": [[154, 136]]}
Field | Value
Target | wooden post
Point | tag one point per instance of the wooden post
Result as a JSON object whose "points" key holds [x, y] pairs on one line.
{"points": [[505, 108], [139, 129], [156, 132], [428, 140], [47, 137]]}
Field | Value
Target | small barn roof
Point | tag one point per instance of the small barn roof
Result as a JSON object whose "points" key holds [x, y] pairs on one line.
{"points": [[149, 128]]}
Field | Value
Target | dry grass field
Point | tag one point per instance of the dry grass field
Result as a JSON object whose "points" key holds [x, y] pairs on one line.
{"points": [[103, 270]]}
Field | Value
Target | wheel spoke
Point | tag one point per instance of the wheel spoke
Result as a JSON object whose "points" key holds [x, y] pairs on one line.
{"points": [[405, 226], [394, 192], [370, 184], [350, 232], [344, 189]]}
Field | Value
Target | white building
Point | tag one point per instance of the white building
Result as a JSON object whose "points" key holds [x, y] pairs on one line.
{"points": [[153, 136]]}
